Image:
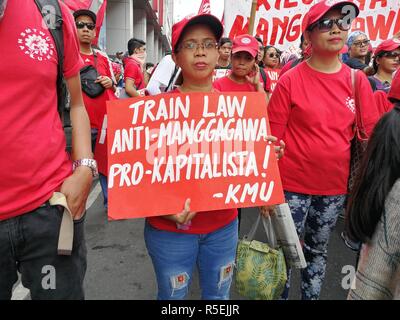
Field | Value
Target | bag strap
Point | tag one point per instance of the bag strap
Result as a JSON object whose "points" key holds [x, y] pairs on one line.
{"points": [[66, 236], [264, 77], [269, 230], [172, 78], [52, 16], [360, 132]]}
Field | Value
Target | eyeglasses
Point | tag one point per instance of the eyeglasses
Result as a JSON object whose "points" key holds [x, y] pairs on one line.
{"points": [[391, 54], [326, 25], [89, 25], [192, 46], [361, 43], [274, 55]]}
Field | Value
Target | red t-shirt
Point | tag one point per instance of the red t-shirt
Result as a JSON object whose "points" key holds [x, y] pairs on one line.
{"points": [[273, 77], [382, 102], [96, 107], [34, 162], [226, 84], [134, 72], [204, 222], [314, 113]]}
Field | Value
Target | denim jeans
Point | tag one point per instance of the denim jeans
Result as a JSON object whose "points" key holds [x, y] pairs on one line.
{"points": [[314, 217], [174, 256], [28, 244], [104, 188]]}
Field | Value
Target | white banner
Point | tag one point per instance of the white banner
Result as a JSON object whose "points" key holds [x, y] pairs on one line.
{"points": [[278, 22]]}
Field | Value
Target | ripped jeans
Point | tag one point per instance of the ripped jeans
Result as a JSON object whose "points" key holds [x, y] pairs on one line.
{"points": [[175, 255]]}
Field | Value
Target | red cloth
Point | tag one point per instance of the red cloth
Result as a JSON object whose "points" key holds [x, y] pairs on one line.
{"points": [[34, 163], [134, 72], [225, 84], [204, 222], [314, 114], [382, 102], [96, 107]]}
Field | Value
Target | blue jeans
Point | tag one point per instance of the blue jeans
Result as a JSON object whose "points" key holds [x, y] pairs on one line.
{"points": [[314, 217], [174, 256], [104, 188]]}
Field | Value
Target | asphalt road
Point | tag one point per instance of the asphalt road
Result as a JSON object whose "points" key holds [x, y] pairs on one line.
{"points": [[120, 268]]}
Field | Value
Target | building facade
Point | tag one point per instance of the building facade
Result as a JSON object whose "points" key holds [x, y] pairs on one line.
{"points": [[148, 20]]}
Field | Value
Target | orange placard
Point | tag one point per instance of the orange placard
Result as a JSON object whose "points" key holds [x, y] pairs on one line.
{"points": [[208, 147]]}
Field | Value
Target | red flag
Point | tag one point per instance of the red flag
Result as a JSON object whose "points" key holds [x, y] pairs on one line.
{"points": [[78, 4], [205, 7]]}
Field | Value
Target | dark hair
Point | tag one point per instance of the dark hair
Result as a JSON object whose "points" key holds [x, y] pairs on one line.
{"points": [[149, 65], [301, 40], [380, 170], [222, 41], [135, 44], [259, 40], [374, 62]]}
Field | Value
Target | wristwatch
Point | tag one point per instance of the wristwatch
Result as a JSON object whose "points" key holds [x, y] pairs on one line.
{"points": [[91, 163]]}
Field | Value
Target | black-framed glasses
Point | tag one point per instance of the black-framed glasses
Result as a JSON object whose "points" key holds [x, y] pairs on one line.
{"points": [[360, 44], [326, 25], [391, 54], [192, 46], [89, 25]]}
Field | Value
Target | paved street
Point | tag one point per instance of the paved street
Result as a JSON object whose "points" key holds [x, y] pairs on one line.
{"points": [[119, 267]]}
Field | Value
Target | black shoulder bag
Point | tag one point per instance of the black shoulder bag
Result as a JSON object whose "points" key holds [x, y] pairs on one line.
{"points": [[89, 75]]}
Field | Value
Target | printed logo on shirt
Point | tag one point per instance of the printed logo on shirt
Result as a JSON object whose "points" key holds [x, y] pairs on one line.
{"points": [[36, 44], [351, 104]]}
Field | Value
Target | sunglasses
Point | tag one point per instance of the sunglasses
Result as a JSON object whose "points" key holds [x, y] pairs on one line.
{"points": [[274, 55], [391, 54], [89, 25], [361, 43], [326, 25]]}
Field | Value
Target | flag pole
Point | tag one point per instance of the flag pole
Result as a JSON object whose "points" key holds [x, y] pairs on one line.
{"points": [[252, 16]]}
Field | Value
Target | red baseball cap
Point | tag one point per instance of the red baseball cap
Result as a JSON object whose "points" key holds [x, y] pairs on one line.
{"points": [[318, 10], [387, 45], [207, 19], [394, 92], [245, 42]]}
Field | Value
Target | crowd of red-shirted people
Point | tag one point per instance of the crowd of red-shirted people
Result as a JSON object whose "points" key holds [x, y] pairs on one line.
{"points": [[313, 96]]}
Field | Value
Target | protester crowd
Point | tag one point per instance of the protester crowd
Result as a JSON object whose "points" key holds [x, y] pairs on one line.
{"points": [[315, 96]]}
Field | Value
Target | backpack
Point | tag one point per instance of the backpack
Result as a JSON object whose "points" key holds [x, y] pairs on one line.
{"points": [[54, 21]]}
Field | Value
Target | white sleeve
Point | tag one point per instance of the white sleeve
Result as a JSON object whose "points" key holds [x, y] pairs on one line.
{"points": [[164, 71], [153, 87]]}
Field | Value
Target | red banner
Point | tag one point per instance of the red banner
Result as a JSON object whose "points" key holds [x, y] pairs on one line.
{"points": [[78, 4], [211, 148], [279, 22]]}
